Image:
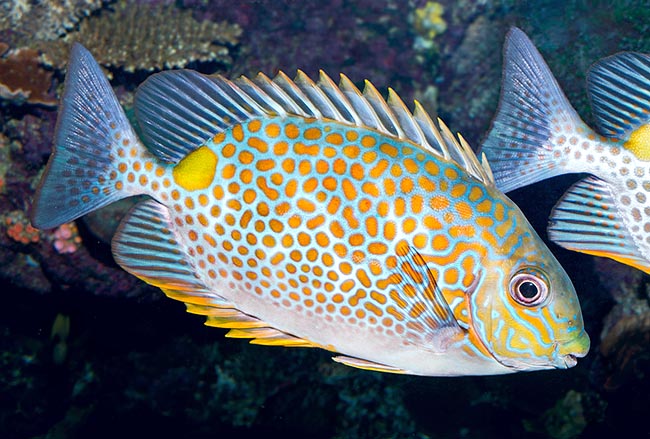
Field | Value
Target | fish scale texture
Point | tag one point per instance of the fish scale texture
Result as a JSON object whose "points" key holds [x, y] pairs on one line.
{"points": [[321, 207]]}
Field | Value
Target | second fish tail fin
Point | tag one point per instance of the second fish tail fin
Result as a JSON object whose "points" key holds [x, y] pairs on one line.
{"points": [[92, 135], [533, 120]]}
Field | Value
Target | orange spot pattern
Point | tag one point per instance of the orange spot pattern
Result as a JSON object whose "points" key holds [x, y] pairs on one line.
{"points": [[309, 215]]}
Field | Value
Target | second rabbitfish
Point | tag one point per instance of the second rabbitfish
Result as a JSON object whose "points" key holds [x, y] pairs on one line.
{"points": [[537, 135]]}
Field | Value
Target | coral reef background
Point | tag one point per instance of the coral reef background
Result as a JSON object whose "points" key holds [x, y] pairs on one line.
{"points": [[87, 350]]}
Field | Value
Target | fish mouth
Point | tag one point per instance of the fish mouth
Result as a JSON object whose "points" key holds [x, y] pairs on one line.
{"points": [[568, 361], [567, 353]]}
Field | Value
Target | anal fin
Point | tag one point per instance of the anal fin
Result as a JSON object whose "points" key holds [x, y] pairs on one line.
{"points": [[270, 337], [586, 220], [147, 246]]}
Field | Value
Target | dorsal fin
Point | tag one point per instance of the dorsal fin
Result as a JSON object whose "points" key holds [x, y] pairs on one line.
{"points": [[619, 90], [179, 110]]}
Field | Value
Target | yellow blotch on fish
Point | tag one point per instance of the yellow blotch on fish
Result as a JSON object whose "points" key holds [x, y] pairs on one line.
{"points": [[639, 143], [196, 170]]}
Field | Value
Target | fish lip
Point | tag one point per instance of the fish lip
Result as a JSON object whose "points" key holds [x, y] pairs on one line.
{"points": [[566, 360], [569, 360], [557, 360]]}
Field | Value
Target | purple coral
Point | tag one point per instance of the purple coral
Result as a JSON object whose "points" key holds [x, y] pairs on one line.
{"points": [[66, 238]]}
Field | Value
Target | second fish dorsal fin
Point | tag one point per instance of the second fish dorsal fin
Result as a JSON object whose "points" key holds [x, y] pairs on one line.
{"points": [[147, 246], [179, 110], [619, 90], [586, 220]]}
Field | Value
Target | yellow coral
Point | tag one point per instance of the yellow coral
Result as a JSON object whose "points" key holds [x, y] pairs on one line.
{"points": [[428, 22]]}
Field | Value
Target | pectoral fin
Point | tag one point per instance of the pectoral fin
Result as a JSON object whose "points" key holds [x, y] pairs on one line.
{"points": [[430, 321]]}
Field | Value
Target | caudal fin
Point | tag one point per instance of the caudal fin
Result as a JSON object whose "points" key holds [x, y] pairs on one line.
{"points": [[80, 175], [533, 108]]}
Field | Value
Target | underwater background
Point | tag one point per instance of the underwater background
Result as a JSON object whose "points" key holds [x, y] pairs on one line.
{"points": [[89, 351]]}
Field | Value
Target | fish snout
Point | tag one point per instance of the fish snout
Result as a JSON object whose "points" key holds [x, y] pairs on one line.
{"points": [[567, 353]]}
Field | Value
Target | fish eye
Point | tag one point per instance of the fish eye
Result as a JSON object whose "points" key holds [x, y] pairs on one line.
{"points": [[529, 288]]}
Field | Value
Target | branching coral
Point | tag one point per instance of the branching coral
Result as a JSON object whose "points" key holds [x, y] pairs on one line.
{"points": [[147, 37], [45, 19]]}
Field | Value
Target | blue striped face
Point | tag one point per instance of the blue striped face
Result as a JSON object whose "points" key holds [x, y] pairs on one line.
{"points": [[535, 320]]}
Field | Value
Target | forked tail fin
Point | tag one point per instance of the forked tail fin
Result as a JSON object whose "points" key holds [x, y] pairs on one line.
{"points": [[92, 131], [533, 108]]}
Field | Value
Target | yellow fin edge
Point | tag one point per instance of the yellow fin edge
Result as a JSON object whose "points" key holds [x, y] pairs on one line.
{"points": [[222, 314], [632, 262], [367, 365]]}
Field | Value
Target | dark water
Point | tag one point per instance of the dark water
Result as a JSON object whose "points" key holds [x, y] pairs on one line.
{"points": [[133, 364]]}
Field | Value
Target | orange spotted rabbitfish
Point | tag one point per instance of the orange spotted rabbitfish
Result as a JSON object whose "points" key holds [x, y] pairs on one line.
{"points": [[536, 134], [309, 214]]}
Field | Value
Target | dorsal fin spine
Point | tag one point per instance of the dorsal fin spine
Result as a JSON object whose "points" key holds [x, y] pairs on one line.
{"points": [[336, 96], [201, 106], [252, 91], [405, 118], [276, 93], [386, 119], [318, 97], [292, 89], [362, 106]]}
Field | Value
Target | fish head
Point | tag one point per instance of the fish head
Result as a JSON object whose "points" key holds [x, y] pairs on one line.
{"points": [[526, 311]]}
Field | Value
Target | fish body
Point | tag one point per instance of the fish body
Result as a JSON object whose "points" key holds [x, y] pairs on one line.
{"points": [[304, 214], [536, 134]]}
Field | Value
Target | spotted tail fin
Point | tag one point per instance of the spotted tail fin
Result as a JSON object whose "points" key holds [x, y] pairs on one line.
{"points": [[80, 175], [519, 146]]}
